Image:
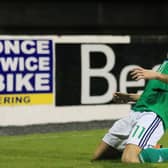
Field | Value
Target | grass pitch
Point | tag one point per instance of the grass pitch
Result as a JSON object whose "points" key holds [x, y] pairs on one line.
{"points": [[59, 150]]}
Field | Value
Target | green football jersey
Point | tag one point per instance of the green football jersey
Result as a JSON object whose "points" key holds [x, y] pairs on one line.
{"points": [[155, 97]]}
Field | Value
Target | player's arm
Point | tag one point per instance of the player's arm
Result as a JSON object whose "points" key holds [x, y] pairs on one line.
{"points": [[141, 73], [119, 97], [162, 77]]}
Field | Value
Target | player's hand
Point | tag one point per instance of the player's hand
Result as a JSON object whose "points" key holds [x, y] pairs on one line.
{"points": [[121, 98], [141, 73]]}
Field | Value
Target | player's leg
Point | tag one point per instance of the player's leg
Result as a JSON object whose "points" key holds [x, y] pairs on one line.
{"points": [[153, 155], [134, 154], [146, 133], [131, 154], [105, 151], [113, 143]]}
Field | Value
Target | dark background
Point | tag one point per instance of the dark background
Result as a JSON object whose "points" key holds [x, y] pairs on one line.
{"points": [[83, 17], [68, 67], [146, 22]]}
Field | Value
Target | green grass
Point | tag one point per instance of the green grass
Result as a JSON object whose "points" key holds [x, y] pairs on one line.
{"points": [[59, 150]]}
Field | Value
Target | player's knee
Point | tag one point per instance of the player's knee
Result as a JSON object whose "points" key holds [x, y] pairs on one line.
{"points": [[101, 149], [130, 154], [128, 159], [96, 156]]}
